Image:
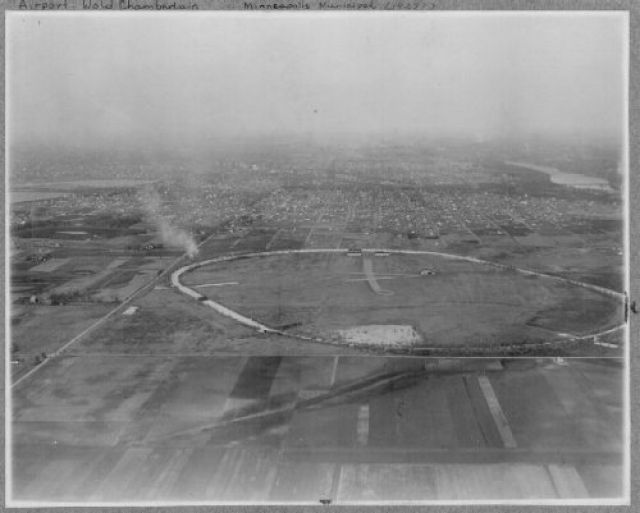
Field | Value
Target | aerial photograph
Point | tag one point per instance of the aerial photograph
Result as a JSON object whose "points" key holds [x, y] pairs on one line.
{"points": [[316, 258]]}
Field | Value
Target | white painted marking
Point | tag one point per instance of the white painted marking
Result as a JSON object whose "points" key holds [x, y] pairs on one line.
{"points": [[204, 285], [497, 413], [362, 429], [367, 265], [377, 278]]}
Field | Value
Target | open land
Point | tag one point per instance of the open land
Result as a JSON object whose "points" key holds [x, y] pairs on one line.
{"points": [[459, 303], [127, 389], [303, 429]]}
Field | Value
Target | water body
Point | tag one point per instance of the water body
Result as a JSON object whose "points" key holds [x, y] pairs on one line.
{"points": [[569, 179]]}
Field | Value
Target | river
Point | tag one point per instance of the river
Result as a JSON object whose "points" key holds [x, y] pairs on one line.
{"points": [[570, 179]]}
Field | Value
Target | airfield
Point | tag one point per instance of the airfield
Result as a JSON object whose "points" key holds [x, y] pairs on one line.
{"points": [[417, 300]]}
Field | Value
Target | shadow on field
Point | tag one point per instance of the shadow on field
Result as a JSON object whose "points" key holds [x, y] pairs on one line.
{"points": [[264, 417]]}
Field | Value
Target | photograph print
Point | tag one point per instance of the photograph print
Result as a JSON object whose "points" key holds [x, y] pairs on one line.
{"points": [[317, 258]]}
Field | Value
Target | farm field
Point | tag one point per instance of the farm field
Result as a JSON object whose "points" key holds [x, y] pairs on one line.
{"points": [[295, 429]]}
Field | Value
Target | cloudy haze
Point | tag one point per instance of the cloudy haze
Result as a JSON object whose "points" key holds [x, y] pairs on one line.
{"points": [[162, 79]]}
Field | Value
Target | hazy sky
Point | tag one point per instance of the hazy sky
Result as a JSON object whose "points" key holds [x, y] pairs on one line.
{"points": [[154, 78]]}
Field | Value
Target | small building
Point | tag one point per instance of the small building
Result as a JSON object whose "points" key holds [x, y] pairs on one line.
{"points": [[152, 245], [130, 311]]}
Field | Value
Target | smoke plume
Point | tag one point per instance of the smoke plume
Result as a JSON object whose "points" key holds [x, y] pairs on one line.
{"points": [[176, 237], [171, 235]]}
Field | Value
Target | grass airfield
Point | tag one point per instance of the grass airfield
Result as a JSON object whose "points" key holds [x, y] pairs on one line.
{"points": [[460, 305]]}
